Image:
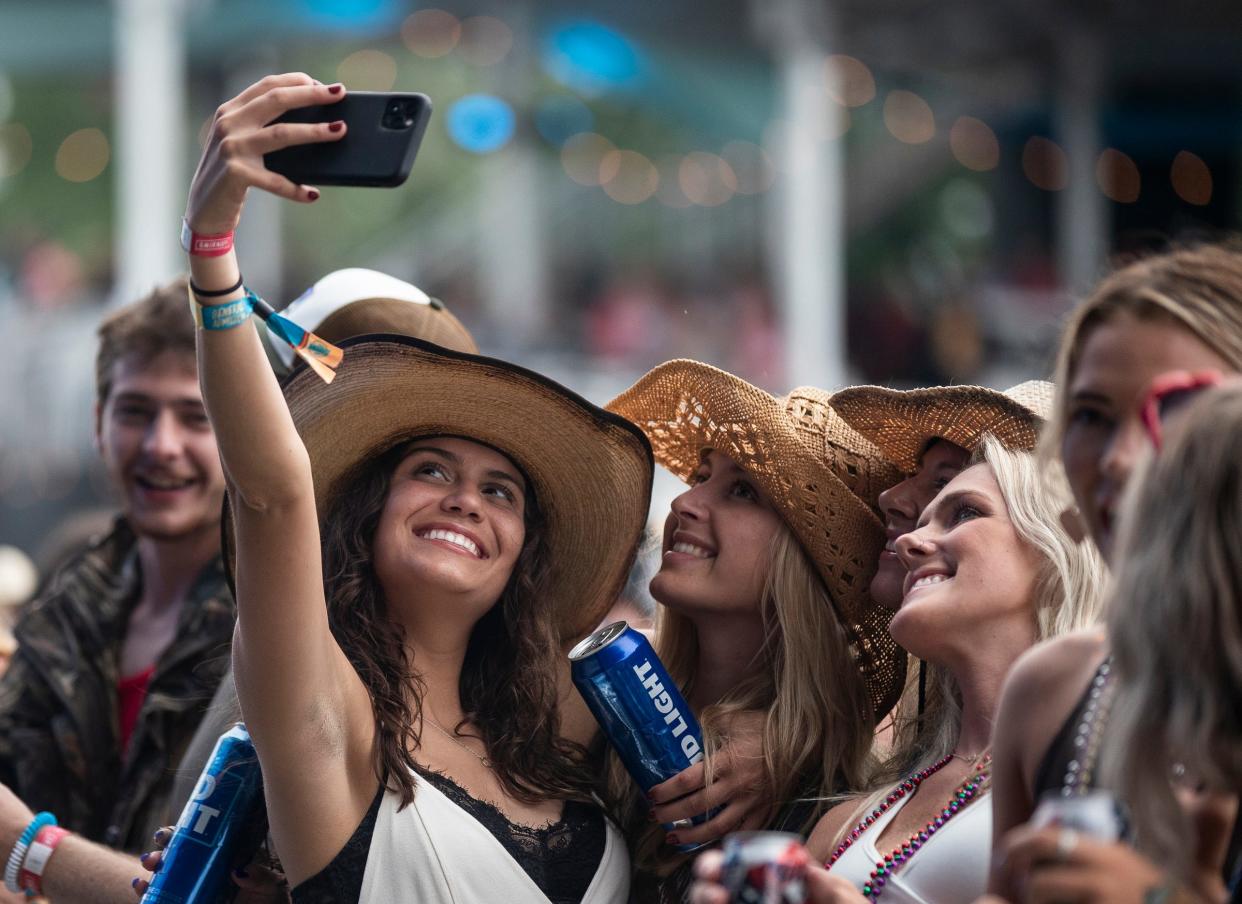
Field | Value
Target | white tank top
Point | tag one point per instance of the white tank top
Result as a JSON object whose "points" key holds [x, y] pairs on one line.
{"points": [[434, 852], [951, 868]]}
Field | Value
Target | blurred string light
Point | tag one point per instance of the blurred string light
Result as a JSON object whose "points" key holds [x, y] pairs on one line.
{"points": [[431, 33], [1045, 164], [562, 116], [82, 156], [15, 148], [848, 81], [582, 156], [485, 40], [974, 144], [908, 117], [1118, 176], [669, 191], [592, 58], [368, 70], [751, 166], [706, 179], [1191, 178], [481, 123], [628, 177]]}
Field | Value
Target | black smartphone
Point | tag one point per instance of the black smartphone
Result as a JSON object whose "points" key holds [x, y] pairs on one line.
{"points": [[382, 137]]}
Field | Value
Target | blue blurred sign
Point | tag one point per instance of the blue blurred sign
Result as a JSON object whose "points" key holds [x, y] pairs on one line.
{"points": [[592, 58]]}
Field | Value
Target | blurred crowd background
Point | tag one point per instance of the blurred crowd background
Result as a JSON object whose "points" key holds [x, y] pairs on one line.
{"points": [[816, 192]]}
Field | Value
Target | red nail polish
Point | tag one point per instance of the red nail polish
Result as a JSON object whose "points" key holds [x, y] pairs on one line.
{"points": [[336, 89], [336, 126], [313, 195]]}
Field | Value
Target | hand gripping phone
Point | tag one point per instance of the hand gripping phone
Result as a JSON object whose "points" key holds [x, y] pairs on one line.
{"points": [[383, 132]]}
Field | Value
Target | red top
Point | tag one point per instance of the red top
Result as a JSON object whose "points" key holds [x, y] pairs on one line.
{"points": [[131, 691]]}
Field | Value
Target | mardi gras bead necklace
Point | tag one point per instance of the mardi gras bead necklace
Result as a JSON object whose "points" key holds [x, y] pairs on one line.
{"points": [[893, 861]]}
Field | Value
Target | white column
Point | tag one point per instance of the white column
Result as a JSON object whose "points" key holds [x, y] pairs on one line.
{"points": [[1082, 216], [149, 151], [808, 214]]}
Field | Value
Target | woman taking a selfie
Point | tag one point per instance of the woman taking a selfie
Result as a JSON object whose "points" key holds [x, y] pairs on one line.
{"points": [[414, 545]]}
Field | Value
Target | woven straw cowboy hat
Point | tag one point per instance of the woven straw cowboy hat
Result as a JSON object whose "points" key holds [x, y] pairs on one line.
{"points": [[816, 471], [590, 470], [902, 422], [357, 301]]}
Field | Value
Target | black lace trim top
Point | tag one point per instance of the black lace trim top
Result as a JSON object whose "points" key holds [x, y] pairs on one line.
{"points": [[561, 858], [1050, 774]]}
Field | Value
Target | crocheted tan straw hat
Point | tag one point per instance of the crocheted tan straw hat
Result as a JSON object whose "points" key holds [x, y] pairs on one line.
{"points": [[816, 471], [902, 422], [590, 470]]}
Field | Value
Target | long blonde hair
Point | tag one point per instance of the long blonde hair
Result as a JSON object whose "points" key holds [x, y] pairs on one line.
{"points": [[818, 719], [1068, 593], [1176, 626], [1197, 288]]}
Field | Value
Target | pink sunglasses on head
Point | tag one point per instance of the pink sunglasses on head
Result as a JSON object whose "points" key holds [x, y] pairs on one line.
{"points": [[1170, 392]]}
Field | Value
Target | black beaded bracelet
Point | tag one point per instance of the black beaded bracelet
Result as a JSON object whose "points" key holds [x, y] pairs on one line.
{"points": [[203, 293]]}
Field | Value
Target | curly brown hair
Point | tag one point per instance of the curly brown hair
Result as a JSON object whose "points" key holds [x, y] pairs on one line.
{"points": [[508, 681]]}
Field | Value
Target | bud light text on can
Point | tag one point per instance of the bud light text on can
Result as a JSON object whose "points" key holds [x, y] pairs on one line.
{"points": [[222, 821], [639, 708], [764, 868]]}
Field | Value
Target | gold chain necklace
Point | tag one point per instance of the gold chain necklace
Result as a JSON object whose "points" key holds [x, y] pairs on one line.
{"points": [[452, 740]]}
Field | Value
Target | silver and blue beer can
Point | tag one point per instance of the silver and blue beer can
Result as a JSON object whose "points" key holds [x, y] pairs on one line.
{"points": [[639, 708], [221, 818]]}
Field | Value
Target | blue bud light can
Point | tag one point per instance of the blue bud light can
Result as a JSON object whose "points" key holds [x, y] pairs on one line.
{"points": [[221, 822], [638, 706]]}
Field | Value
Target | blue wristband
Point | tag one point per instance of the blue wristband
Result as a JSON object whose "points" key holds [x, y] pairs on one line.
{"points": [[18, 853], [230, 314]]}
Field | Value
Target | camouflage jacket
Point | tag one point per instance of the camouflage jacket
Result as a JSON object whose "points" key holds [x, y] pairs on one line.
{"points": [[60, 748]]}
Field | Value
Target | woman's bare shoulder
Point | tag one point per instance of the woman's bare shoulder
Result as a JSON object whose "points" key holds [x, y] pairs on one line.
{"points": [[1056, 668], [830, 827]]}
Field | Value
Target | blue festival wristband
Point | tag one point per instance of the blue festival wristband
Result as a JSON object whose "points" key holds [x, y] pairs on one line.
{"points": [[18, 853], [230, 314]]}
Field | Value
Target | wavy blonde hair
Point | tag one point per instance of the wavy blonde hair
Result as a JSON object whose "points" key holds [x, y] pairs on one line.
{"points": [[1068, 594], [1176, 626], [818, 720], [1196, 288]]}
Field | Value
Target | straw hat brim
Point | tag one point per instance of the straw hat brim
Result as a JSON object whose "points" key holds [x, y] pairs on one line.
{"points": [[590, 470], [794, 449], [901, 423]]}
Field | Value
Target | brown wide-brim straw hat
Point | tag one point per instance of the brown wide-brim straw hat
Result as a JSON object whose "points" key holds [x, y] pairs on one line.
{"points": [[810, 464], [902, 422], [590, 470]]}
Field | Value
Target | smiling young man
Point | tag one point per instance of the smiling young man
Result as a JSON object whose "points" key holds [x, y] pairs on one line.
{"points": [[118, 659]]}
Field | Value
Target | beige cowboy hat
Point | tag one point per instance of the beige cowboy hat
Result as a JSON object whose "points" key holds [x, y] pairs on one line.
{"points": [[816, 471], [357, 301], [590, 470], [902, 422]]}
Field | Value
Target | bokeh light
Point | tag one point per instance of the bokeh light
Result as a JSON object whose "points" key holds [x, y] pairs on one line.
{"points": [[908, 117], [974, 144], [848, 81], [631, 177], [368, 70], [582, 156], [485, 40], [592, 58], [1191, 178], [82, 156], [481, 123], [431, 33], [15, 148], [751, 165], [1045, 164], [967, 209], [706, 179], [1118, 176], [560, 117], [669, 191]]}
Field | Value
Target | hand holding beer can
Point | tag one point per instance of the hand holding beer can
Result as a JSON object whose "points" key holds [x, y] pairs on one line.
{"points": [[221, 823], [764, 868], [639, 708]]}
